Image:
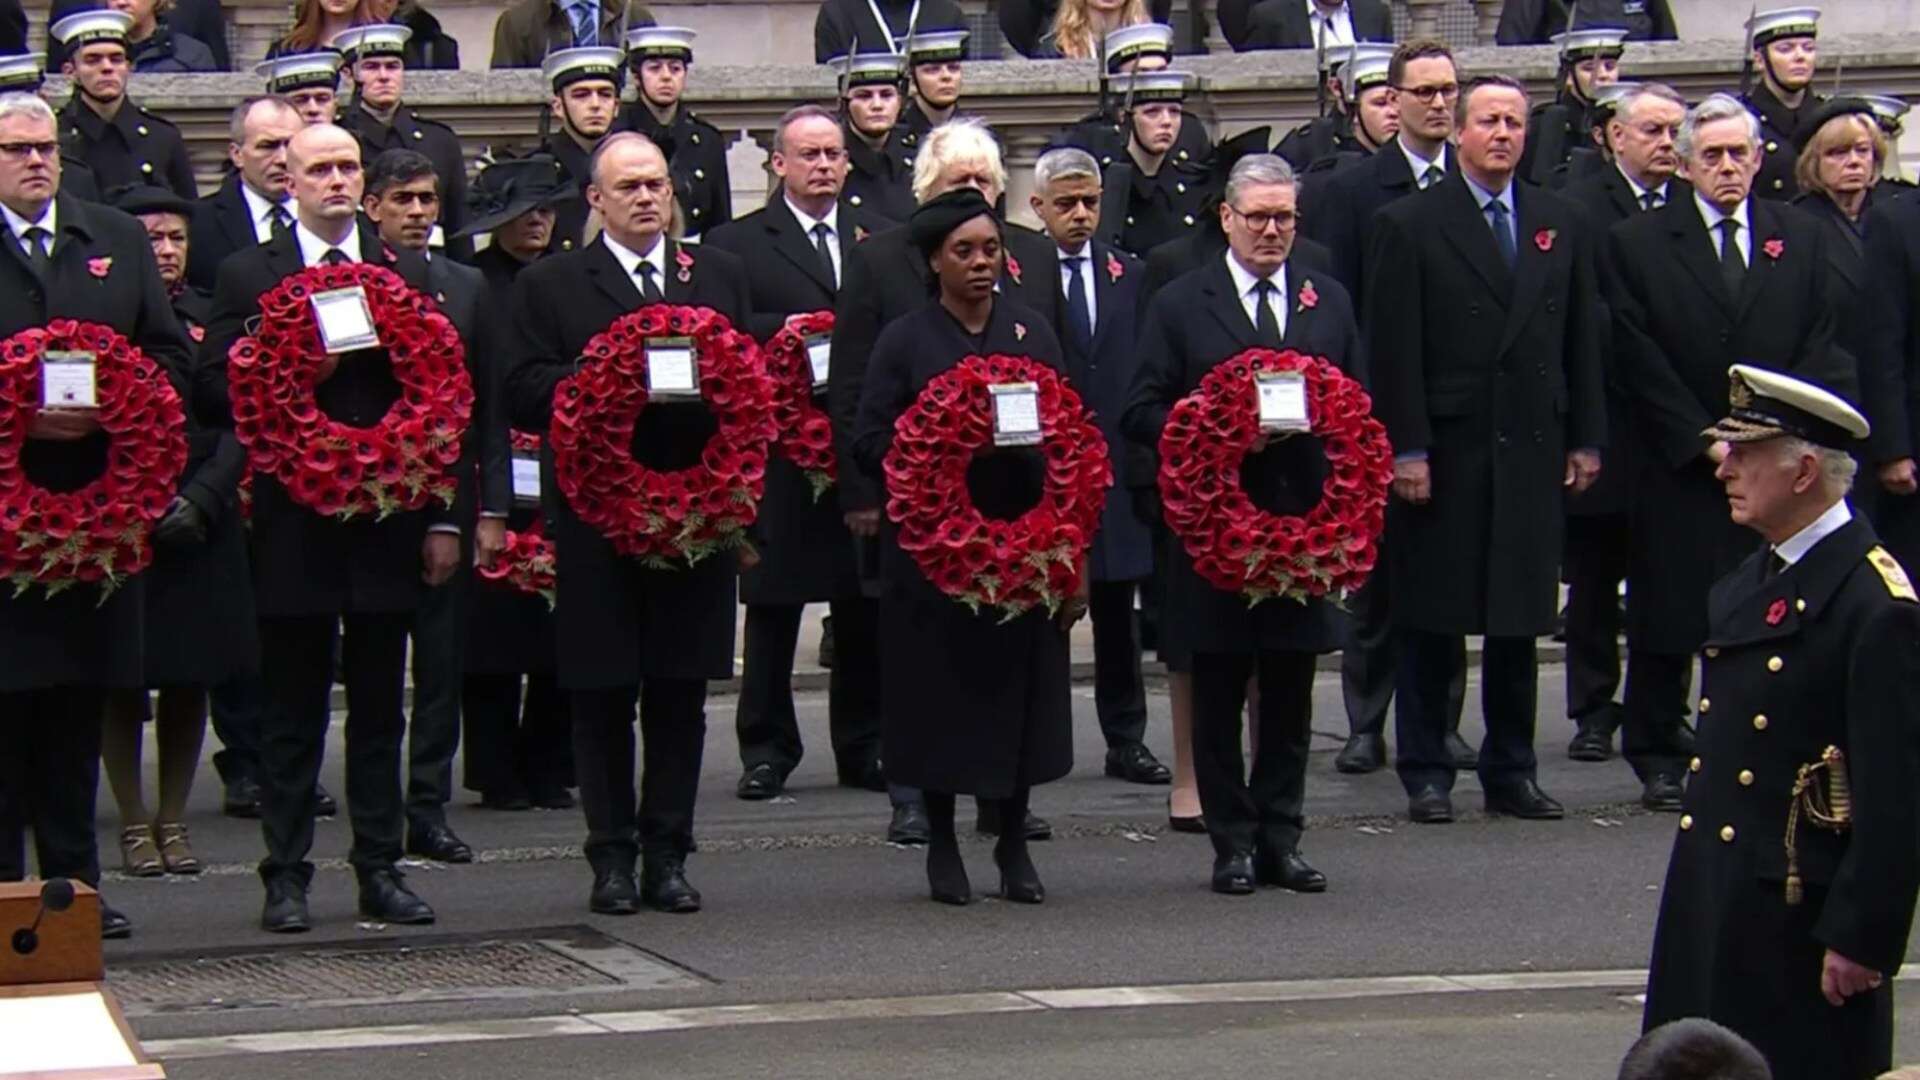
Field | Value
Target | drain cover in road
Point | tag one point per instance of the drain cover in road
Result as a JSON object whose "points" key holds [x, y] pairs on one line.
{"points": [[567, 961]]}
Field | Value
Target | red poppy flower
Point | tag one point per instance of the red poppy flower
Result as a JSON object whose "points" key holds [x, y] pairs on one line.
{"points": [[1777, 612]]}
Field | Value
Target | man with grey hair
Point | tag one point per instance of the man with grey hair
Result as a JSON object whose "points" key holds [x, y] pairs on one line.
{"points": [[254, 200], [1248, 298], [1790, 891], [1716, 277]]}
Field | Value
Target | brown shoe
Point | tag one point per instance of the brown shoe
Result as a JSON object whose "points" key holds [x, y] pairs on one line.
{"points": [[175, 851], [138, 856]]}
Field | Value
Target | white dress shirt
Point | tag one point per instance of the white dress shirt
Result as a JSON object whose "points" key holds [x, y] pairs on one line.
{"points": [[260, 212], [1086, 278], [1640, 193], [630, 261], [1742, 237], [20, 225], [1245, 285], [1420, 165], [313, 248], [1339, 25], [1795, 547], [832, 222]]}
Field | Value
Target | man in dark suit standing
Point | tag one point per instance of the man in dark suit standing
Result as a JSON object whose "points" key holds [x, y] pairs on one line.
{"points": [[1715, 278], [528, 31], [381, 120], [1481, 295], [253, 201], [1315, 24], [1103, 290], [313, 573], [794, 250], [1532, 22], [630, 633]]}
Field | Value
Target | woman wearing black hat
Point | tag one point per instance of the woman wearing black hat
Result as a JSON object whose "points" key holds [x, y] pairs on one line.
{"points": [[970, 704]]}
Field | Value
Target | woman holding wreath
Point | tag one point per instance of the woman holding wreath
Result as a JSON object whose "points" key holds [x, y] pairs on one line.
{"points": [[971, 703]]}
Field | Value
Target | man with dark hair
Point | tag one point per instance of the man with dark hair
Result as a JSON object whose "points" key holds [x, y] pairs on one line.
{"points": [[1693, 1049], [123, 142], [377, 116], [586, 101], [659, 57]]}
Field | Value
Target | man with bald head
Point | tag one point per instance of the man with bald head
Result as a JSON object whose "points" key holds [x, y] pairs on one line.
{"points": [[314, 575], [628, 633]]}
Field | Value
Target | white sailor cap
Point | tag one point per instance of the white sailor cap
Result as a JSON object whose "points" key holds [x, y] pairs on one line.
{"points": [[1133, 42], [564, 67], [301, 71], [1888, 109], [661, 43], [1765, 27], [91, 27], [1364, 67], [1765, 404], [869, 69], [1590, 42], [1607, 98], [933, 46], [374, 39], [1146, 87], [22, 71]]}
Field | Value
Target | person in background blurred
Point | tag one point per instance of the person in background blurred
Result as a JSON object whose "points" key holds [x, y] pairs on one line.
{"points": [[201, 20], [529, 30], [1079, 26], [430, 48], [316, 22]]}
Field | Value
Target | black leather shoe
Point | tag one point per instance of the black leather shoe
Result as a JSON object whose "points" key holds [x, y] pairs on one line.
{"points": [[1362, 754], [114, 926], [1464, 757], [323, 804], [1233, 874], [1287, 870], [439, 843], [240, 798], [664, 886], [285, 911], [1524, 800], [505, 799], [1430, 806], [909, 825], [1593, 741], [555, 798], [615, 892], [865, 776], [759, 782], [384, 897], [988, 823], [1136, 764], [1195, 824], [1662, 794]]}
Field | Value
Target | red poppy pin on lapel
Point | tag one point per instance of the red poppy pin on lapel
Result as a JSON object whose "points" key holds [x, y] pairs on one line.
{"points": [[685, 262], [1114, 269], [1309, 298], [1013, 268], [100, 267], [387, 254], [1019, 331], [1774, 248], [1544, 239], [197, 333], [1776, 611]]}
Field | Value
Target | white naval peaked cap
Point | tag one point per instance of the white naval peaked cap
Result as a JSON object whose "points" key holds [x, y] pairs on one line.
{"points": [[301, 71], [373, 39], [1591, 41], [87, 27], [661, 43], [564, 67], [1772, 25], [1767, 404]]}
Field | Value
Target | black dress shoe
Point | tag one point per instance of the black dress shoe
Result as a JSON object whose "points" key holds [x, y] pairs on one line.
{"points": [[1233, 874], [114, 926], [505, 799], [439, 843], [664, 886], [1019, 881], [1195, 824], [759, 782], [1593, 742], [1287, 870], [285, 911], [1430, 806], [1524, 800], [555, 798], [323, 804], [865, 776], [988, 823], [1662, 794], [909, 825], [384, 897], [240, 798], [1464, 757], [1136, 764], [1362, 754], [615, 892]]}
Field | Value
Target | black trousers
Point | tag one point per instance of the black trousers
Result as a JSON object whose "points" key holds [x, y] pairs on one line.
{"points": [[1266, 810], [1595, 564], [515, 745], [673, 729], [49, 777], [433, 731], [237, 709], [1119, 691], [296, 660], [764, 718], [1430, 665], [1657, 688], [1370, 662]]}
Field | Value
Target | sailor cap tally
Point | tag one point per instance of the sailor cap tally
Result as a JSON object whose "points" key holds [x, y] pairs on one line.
{"points": [[375, 39], [564, 67], [92, 28], [301, 71], [1366, 67], [1591, 42], [869, 69], [661, 43], [1148, 87], [22, 71], [1766, 27], [933, 46]]}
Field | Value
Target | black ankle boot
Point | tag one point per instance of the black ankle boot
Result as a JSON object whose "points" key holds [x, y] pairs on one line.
{"points": [[946, 871]]}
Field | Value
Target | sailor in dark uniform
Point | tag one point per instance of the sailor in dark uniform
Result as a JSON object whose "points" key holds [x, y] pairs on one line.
{"points": [[1140, 47], [1151, 196], [1559, 129], [696, 151], [1364, 118], [1790, 892], [24, 73], [1890, 112], [124, 143], [879, 163], [375, 56], [1785, 53], [309, 81], [586, 99], [933, 67]]}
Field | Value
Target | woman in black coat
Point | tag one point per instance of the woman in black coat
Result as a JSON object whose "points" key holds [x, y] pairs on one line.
{"points": [[970, 704]]}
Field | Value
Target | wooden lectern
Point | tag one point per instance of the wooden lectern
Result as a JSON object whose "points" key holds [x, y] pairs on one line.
{"points": [[58, 1021]]}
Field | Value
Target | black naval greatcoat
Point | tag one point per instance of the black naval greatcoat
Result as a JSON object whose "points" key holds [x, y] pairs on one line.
{"points": [[1825, 653], [879, 181], [1139, 212], [135, 147], [620, 622], [411, 131], [696, 156], [1778, 125], [1890, 364], [1320, 139], [570, 217], [1557, 131]]}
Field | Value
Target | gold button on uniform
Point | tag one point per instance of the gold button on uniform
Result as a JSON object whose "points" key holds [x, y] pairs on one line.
{"points": [[1705, 704], [1760, 722], [1726, 834], [141, 130], [1799, 605], [419, 134], [699, 174], [1713, 651], [1694, 765], [854, 199], [1773, 147], [1779, 185], [146, 166], [1774, 663], [1188, 219], [1181, 188], [1686, 822], [1746, 777]]}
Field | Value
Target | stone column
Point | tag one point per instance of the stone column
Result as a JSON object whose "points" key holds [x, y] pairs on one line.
{"points": [[1486, 20], [252, 28], [1424, 16], [750, 168]]}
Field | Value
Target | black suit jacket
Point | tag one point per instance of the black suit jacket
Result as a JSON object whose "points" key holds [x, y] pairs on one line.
{"points": [[411, 131], [1341, 213], [784, 272], [221, 226], [486, 478], [1102, 372], [1890, 364], [1532, 22], [1284, 24]]}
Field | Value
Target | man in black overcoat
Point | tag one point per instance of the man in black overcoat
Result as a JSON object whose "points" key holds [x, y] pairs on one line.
{"points": [[253, 201], [795, 249], [1482, 295], [1284, 24], [314, 574], [1790, 892], [629, 633], [1688, 299], [379, 117], [1890, 371], [60, 655]]}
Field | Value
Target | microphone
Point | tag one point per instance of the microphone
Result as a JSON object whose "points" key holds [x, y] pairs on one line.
{"points": [[55, 896]]}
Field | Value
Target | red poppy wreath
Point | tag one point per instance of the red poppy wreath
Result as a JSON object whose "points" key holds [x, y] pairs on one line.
{"points": [[805, 433], [330, 467], [527, 563], [1013, 566], [664, 518], [1235, 545], [99, 533]]}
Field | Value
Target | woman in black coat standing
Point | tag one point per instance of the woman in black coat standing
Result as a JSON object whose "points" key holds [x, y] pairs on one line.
{"points": [[970, 704]]}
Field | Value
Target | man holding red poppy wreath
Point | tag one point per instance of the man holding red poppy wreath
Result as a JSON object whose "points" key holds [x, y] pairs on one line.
{"points": [[314, 573], [630, 632]]}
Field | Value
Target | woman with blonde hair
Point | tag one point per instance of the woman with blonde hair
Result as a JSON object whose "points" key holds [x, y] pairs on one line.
{"points": [[317, 22], [1080, 25]]}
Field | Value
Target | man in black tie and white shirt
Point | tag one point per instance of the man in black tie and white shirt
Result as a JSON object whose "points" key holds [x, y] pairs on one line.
{"points": [[253, 201]]}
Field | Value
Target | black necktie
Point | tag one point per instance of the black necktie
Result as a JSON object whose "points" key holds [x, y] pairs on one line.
{"points": [[820, 244], [282, 219], [335, 257], [649, 288], [1265, 326], [1732, 270], [1079, 313], [1432, 176], [39, 241], [1649, 200], [1775, 566], [1503, 232]]}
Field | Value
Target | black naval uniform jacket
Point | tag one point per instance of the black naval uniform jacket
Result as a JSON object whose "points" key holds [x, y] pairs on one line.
{"points": [[72, 639], [135, 147], [1556, 131], [411, 131], [1824, 653], [696, 155], [879, 181], [619, 622], [570, 218], [1142, 212], [1675, 333], [1778, 124]]}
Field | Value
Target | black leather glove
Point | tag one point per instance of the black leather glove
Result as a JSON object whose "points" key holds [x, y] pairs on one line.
{"points": [[183, 525], [1146, 505]]}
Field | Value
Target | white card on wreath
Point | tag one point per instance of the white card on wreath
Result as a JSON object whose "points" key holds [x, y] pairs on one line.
{"points": [[1016, 414], [670, 369], [67, 380], [1283, 401], [345, 320], [526, 478], [819, 349]]}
